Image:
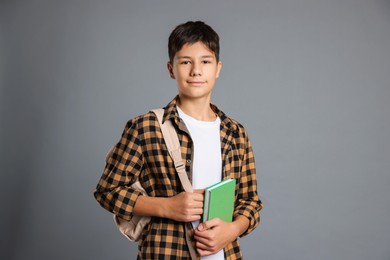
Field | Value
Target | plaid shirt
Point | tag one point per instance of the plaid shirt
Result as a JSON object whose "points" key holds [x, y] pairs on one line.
{"points": [[141, 153]]}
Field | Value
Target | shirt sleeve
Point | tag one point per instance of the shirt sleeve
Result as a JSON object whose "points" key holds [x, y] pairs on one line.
{"points": [[124, 163], [248, 202]]}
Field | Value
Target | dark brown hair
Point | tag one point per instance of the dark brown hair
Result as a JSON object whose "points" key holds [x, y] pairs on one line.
{"points": [[192, 32]]}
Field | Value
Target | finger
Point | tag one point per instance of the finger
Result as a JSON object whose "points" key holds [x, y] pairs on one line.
{"points": [[202, 238], [203, 252], [199, 191], [198, 197], [202, 246], [197, 204], [194, 218], [209, 224], [194, 204], [196, 211], [205, 235]]}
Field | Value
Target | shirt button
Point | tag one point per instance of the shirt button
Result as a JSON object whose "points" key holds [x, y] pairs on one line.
{"points": [[188, 161]]}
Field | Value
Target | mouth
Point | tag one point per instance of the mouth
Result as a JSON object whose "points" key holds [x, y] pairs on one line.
{"points": [[196, 83]]}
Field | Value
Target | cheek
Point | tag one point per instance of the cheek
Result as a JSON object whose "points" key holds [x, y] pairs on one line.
{"points": [[179, 74]]}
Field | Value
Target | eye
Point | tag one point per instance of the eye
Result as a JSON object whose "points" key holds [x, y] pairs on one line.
{"points": [[206, 61], [185, 62]]}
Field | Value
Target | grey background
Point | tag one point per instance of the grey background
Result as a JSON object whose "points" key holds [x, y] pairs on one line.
{"points": [[308, 78]]}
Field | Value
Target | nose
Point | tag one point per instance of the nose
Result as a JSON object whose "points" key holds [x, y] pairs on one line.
{"points": [[196, 70]]}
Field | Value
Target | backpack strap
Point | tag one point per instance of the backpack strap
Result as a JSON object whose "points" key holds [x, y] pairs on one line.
{"points": [[174, 149], [173, 145]]}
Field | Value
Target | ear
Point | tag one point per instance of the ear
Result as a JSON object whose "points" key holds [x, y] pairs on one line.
{"points": [[170, 70], [219, 67]]}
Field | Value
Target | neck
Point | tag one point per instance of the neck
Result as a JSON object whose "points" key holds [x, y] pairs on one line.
{"points": [[197, 108]]}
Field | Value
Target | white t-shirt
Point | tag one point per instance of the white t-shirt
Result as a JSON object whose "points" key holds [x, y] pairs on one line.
{"points": [[207, 164]]}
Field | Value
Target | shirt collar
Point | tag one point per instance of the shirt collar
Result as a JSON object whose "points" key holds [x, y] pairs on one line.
{"points": [[171, 113]]}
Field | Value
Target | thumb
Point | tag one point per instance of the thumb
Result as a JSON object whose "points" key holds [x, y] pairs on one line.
{"points": [[209, 224], [202, 226]]}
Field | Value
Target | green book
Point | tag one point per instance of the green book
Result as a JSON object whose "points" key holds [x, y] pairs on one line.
{"points": [[219, 200]]}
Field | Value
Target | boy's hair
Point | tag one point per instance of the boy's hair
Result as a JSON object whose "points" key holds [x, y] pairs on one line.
{"points": [[192, 32]]}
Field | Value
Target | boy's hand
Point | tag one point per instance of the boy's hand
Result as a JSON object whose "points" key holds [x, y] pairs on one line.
{"points": [[215, 234], [185, 206]]}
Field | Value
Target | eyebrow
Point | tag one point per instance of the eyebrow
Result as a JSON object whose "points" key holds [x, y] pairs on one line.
{"points": [[188, 57]]}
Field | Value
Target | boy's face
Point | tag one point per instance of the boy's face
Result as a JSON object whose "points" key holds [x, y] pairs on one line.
{"points": [[195, 69]]}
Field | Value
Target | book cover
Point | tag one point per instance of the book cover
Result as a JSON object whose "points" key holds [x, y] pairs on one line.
{"points": [[219, 201]]}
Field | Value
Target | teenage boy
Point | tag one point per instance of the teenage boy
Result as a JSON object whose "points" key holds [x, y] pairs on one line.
{"points": [[213, 146]]}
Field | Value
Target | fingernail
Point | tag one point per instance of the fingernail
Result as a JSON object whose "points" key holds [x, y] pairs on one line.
{"points": [[200, 227]]}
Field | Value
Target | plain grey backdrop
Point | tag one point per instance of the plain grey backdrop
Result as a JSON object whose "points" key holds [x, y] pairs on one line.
{"points": [[309, 79]]}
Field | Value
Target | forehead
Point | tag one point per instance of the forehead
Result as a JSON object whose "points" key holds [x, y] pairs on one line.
{"points": [[194, 50]]}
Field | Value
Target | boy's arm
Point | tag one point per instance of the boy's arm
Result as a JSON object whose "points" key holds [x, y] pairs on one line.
{"points": [[123, 165], [248, 203], [215, 234], [114, 193], [184, 207]]}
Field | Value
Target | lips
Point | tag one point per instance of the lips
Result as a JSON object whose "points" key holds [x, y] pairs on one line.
{"points": [[196, 82]]}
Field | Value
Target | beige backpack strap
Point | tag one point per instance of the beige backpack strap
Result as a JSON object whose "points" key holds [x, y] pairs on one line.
{"points": [[173, 145]]}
